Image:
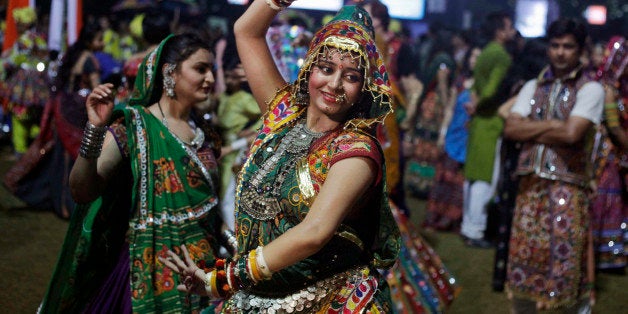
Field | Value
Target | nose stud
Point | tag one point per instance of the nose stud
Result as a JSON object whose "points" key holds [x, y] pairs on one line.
{"points": [[341, 98]]}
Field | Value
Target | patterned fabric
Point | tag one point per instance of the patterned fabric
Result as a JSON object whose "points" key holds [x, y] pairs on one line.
{"points": [[548, 243], [26, 86], [555, 99], [444, 206], [608, 218], [162, 197], [351, 30], [340, 253], [419, 281], [143, 93], [171, 204]]}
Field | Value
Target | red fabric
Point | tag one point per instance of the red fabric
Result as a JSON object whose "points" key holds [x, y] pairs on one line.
{"points": [[10, 35]]}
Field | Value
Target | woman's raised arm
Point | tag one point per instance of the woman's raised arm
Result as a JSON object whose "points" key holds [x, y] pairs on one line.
{"points": [[261, 71]]}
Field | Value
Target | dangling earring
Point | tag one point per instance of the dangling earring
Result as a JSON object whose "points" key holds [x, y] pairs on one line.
{"points": [[302, 97], [168, 80]]}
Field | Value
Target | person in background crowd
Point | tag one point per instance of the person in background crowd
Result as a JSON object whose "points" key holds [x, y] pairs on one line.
{"points": [[155, 27], [461, 42], [40, 177], [609, 206], [482, 163], [26, 84], [554, 116], [145, 184], [446, 196], [526, 65], [389, 133], [312, 216], [429, 117], [238, 119]]}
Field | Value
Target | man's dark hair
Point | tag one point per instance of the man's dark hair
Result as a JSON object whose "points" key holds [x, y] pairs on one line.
{"points": [[568, 26], [494, 22]]}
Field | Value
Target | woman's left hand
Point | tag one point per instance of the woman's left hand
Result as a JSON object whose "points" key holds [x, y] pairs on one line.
{"points": [[192, 277]]}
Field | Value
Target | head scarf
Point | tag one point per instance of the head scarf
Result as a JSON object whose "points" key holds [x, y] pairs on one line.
{"points": [[352, 30], [616, 61], [144, 92]]}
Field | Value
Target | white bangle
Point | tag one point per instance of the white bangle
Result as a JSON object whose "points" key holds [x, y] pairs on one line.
{"points": [[261, 263], [273, 6]]}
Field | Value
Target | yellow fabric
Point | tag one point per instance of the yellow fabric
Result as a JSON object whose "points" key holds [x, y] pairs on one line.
{"points": [[24, 15]]}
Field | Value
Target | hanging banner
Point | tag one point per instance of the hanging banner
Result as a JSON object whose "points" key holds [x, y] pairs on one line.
{"points": [[75, 20], [55, 27]]}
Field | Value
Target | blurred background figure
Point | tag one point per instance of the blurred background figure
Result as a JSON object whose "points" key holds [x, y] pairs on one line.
{"points": [[238, 118], [40, 177], [444, 207], [155, 26], [609, 207], [481, 168], [26, 81]]}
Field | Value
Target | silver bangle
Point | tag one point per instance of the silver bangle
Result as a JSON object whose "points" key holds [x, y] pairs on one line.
{"points": [[92, 141], [230, 240]]}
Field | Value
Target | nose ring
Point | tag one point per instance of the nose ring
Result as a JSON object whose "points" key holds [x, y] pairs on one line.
{"points": [[341, 98]]}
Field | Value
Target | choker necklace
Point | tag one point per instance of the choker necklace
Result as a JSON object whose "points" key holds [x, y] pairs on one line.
{"points": [[199, 136]]}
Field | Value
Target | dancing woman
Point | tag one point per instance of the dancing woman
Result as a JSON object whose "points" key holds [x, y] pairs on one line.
{"points": [[312, 217], [145, 183]]}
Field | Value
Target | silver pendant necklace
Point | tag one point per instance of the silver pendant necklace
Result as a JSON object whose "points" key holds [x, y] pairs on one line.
{"points": [[199, 135]]}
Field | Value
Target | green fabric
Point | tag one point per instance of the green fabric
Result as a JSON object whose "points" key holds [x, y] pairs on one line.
{"points": [[376, 227], [89, 252], [485, 126], [357, 15], [144, 93], [490, 69], [162, 197], [433, 67], [483, 135], [179, 209]]}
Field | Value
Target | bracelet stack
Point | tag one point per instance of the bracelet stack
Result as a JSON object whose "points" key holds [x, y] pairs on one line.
{"points": [[231, 276], [279, 5], [93, 139]]}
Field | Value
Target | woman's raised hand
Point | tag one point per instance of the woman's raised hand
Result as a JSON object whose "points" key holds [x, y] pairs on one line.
{"points": [[100, 104], [192, 277]]}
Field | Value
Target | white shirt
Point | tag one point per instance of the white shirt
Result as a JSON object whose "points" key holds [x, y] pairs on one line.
{"points": [[589, 101]]}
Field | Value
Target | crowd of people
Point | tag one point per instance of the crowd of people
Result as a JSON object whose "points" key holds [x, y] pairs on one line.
{"points": [[266, 168]]}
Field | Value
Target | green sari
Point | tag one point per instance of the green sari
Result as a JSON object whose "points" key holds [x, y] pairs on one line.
{"points": [[161, 197]]}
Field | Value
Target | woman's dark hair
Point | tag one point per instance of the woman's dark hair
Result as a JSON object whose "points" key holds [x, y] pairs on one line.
{"points": [[568, 26], [86, 36], [176, 50], [465, 68], [155, 27]]}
